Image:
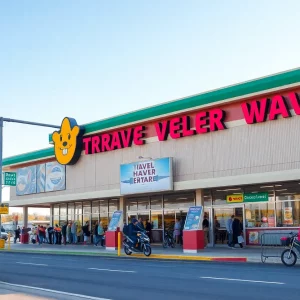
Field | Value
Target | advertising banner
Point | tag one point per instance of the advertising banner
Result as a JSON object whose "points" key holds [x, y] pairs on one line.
{"points": [[4, 209], [193, 218], [10, 178], [55, 177], [253, 197], [26, 181], [40, 178], [115, 221], [288, 216], [238, 198], [146, 176]]}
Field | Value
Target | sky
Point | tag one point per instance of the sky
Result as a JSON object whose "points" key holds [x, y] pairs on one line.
{"points": [[95, 59]]}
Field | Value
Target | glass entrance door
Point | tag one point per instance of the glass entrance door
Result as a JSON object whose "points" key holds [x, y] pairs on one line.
{"points": [[220, 217], [209, 216]]}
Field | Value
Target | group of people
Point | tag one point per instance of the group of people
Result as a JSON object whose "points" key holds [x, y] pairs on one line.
{"points": [[68, 233], [234, 228]]}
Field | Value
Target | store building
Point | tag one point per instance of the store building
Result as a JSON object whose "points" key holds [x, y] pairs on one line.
{"points": [[234, 150]]}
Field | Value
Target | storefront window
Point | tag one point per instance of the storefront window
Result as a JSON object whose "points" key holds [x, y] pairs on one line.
{"points": [[179, 201], [143, 203], [144, 215], [56, 210], [62, 220], [169, 219], [78, 208], [71, 209], [63, 209], [260, 215], [55, 220], [113, 205], [207, 198], [86, 218], [95, 207], [71, 218], [288, 213], [156, 202], [131, 205], [87, 207], [156, 220], [104, 207]]}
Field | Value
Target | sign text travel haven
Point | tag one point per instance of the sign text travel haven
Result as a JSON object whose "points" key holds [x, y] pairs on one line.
{"points": [[255, 111]]}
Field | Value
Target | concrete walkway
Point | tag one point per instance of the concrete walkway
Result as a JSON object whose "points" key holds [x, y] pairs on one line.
{"points": [[218, 253]]}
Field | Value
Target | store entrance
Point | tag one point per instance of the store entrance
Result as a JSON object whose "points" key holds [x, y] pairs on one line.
{"points": [[220, 217]]}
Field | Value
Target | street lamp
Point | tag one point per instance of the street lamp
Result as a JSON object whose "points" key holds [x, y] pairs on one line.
{"points": [[2, 120]]}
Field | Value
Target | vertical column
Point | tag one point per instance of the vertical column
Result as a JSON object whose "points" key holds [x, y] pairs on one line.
{"points": [[25, 216], [51, 214], [123, 207], [199, 197]]}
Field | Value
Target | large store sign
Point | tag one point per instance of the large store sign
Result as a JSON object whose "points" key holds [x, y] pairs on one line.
{"points": [[147, 176], [69, 141]]}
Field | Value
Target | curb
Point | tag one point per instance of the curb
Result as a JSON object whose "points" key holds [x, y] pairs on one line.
{"points": [[137, 256]]}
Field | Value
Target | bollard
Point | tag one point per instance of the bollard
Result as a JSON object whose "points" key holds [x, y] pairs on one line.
{"points": [[119, 243], [8, 236]]}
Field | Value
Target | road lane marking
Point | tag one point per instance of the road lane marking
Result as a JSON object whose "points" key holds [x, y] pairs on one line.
{"points": [[243, 280], [110, 270], [52, 291], [24, 263]]}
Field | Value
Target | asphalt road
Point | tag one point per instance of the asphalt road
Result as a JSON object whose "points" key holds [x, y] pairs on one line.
{"points": [[128, 279]]}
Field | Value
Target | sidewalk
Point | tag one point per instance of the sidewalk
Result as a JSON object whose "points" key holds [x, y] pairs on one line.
{"points": [[219, 253]]}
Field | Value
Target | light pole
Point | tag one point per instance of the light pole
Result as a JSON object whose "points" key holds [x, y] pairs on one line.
{"points": [[2, 120]]}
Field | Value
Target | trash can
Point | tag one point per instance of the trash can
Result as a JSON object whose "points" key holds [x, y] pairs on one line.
{"points": [[2, 244], [24, 238]]}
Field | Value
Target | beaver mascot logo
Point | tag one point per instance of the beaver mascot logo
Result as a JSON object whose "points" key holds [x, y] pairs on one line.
{"points": [[68, 142]]}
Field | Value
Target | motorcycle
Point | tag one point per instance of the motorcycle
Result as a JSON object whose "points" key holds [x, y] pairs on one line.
{"points": [[168, 240], [143, 244], [289, 256]]}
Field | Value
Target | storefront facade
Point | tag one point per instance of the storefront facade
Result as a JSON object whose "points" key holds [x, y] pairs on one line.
{"points": [[233, 150]]}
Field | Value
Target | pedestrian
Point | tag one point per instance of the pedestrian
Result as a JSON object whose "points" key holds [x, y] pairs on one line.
{"points": [[57, 233], [50, 234], [79, 233], [86, 232], [64, 233], [100, 233], [42, 235], [177, 228], [149, 229], [95, 235], [69, 234], [205, 226], [237, 231], [141, 224], [46, 235], [17, 234], [73, 232], [229, 230]]}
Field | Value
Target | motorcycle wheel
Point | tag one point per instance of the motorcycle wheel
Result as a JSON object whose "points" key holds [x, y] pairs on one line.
{"points": [[127, 250], [165, 244], [288, 259], [147, 250]]}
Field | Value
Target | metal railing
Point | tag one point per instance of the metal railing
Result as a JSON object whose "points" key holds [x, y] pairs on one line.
{"points": [[271, 246]]}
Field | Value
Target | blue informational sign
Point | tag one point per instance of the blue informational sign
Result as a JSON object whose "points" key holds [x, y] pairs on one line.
{"points": [[115, 221], [146, 176], [193, 218]]}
